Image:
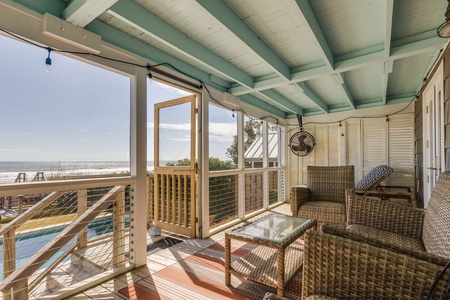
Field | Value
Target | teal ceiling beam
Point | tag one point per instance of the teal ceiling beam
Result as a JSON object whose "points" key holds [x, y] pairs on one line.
{"points": [[135, 15], [389, 8], [83, 12], [347, 95], [351, 63], [252, 100], [52, 7], [280, 100], [387, 65], [307, 17], [416, 47], [129, 43], [219, 81], [401, 99], [221, 12], [311, 95]]}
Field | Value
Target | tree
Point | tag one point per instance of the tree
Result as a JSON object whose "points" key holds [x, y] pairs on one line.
{"points": [[215, 164], [251, 131]]}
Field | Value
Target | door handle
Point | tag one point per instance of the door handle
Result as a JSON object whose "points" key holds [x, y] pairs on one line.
{"points": [[435, 169]]}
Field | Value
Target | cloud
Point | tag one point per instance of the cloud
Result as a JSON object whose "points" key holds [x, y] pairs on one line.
{"points": [[219, 132], [16, 150], [222, 132], [15, 135], [171, 89], [181, 126]]}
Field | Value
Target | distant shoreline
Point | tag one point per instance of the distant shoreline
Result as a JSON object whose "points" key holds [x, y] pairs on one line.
{"points": [[9, 170]]}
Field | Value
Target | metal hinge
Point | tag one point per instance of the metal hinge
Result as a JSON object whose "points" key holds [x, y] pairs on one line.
{"points": [[196, 110]]}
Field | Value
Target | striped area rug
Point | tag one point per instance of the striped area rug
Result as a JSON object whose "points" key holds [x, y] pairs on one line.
{"points": [[201, 276]]}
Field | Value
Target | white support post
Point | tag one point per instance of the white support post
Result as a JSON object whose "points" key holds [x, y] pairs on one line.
{"points": [[241, 164], [204, 164], [138, 155], [265, 153], [283, 177]]}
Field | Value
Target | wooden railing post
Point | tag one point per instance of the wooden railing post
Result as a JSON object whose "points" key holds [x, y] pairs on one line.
{"points": [[82, 207], [150, 199], [119, 230], [20, 205], [9, 257], [20, 289]]}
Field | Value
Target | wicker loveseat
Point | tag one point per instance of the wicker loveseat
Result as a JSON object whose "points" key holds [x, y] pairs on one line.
{"points": [[323, 197], [387, 251]]}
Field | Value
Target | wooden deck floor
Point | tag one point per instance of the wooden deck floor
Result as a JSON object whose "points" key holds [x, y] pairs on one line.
{"points": [[192, 269]]}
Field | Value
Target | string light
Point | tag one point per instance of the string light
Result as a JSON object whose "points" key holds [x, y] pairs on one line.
{"points": [[48, 63], [48, 60], [149, 72]]}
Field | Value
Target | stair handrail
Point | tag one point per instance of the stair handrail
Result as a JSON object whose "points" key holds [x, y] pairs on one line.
{"points": [[20, 220]]}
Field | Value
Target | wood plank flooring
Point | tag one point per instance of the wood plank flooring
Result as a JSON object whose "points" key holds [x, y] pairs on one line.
{"points": [[192, 269]]}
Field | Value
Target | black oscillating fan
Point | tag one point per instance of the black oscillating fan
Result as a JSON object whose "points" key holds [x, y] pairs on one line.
{"points": [[301, 143]]}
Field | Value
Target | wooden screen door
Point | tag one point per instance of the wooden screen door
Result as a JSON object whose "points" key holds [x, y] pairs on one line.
{"points": [[175, 174]]}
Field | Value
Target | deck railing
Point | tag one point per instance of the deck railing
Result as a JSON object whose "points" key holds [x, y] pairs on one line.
{"points": [[236, 194], [66, 236]]}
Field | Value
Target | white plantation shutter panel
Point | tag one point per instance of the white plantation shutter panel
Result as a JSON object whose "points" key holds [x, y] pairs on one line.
{"points": [[374, 143], [353, 139], [321, 148], [308, 159], [333, 145], [401, 149]]}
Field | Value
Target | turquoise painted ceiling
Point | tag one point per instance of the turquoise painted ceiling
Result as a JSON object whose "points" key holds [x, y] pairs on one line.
{"points": [[285, 56]]}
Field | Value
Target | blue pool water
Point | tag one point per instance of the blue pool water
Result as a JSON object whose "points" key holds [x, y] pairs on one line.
{"points": [[29, 243]]}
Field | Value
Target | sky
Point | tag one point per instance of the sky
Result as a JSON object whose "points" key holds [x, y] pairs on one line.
{"points": [[80, 112]]}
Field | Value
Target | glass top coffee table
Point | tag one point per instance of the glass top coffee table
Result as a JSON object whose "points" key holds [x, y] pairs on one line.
{"points": [[277, 258]]}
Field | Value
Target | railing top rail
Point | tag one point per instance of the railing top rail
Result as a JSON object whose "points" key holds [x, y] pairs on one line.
{"points": [[15, 189]]}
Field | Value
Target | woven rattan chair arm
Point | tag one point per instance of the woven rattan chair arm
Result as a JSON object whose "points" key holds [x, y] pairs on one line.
{"points": [[384, 215], [342, 232], [349, 269], [298, 196]]}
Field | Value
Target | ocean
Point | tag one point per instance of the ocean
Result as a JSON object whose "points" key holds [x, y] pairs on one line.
{"points": [[58, 169]]}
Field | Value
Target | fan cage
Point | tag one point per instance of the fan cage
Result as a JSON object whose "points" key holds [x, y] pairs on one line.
{"points": [[295, 137]]}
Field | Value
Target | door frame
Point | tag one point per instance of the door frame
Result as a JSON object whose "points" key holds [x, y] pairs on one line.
{"points": [[433, 132]]}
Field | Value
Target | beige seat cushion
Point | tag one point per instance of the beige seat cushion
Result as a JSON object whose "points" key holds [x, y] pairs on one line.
{"points": [[383, 236], [323, 211]]}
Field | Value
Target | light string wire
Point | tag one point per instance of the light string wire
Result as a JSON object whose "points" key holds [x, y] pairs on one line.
{"points": [[147, 66], [388, 115]]}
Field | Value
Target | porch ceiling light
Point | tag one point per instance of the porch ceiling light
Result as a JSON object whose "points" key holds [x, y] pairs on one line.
{"points": [[443, 30]]}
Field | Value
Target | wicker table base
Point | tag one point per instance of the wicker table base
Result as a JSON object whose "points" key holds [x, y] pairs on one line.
{"points": [[275, 261], [260, 265]]}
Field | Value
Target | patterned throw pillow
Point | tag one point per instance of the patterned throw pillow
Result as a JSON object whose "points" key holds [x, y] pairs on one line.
{"points": [[375, 175]]}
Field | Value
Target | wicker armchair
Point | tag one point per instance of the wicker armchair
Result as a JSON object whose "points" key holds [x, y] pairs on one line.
{"points": [[323, 197], [387, 250]]}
